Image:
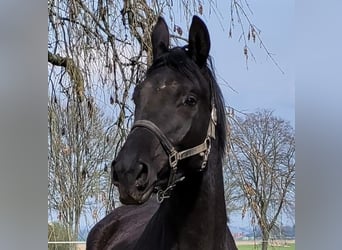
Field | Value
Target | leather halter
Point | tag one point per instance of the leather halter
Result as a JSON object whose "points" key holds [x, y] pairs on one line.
{"points": [[202, 149]]}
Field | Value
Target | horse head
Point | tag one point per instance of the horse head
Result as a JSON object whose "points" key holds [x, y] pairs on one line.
{"points": [[175, 118]]}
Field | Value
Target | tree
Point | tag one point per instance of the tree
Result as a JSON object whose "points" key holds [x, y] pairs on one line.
{"points": [[232, 193], [80, 147], [98, 50], [262, 159]]}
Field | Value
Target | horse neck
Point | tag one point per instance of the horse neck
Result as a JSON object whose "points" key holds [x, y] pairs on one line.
{"points": [[197, 208]]}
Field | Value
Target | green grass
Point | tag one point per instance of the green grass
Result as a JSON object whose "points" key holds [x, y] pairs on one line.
{"points": [[258, 247]]}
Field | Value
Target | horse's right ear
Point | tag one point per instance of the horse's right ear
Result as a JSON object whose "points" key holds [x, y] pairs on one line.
{"points": [[160, 38], [199, 41]]}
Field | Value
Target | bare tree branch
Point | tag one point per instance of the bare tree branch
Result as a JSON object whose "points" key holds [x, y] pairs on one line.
{"points": [[73, 71]]}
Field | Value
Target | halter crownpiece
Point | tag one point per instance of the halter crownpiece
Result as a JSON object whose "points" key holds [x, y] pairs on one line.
{"points": [[202, 149]]}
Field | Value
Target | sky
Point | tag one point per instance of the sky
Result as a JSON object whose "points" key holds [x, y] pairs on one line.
{"points": [[262, 85]]}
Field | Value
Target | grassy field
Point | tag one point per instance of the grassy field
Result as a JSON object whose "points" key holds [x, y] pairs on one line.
{"points": [[258, 247]]}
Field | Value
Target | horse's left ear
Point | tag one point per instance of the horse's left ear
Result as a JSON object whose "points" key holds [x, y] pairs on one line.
{"points": [[199, 41], [160, 38]]}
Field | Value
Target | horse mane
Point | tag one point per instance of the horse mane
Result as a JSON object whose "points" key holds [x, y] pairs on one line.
{"points": [[178, 59]]}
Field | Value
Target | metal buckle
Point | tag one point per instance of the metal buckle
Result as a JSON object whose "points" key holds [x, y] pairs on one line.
{"points": [[173, 159], [206, 154]]}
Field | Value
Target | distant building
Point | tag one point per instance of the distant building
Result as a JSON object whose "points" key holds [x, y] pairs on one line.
{"points": [[238, 235]]}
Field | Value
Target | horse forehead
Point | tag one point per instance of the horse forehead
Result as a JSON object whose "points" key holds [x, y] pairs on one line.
{"points": [[155, 93], [165, 75], [158, 83], [166, 78]]}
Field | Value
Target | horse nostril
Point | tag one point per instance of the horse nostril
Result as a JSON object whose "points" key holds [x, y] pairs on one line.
{"points": [[141, 180]]}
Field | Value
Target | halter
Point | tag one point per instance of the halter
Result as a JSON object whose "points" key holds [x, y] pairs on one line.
{"points": [[202, 149]]}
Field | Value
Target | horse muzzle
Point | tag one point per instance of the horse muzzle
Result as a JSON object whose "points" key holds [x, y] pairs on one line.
{"points": [[136, 185]]}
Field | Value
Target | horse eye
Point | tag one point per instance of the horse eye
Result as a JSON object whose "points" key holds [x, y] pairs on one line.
{"points": [[190, 101]]}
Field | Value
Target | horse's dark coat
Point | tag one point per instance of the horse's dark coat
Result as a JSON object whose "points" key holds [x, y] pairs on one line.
{"points": [[177, 96]]}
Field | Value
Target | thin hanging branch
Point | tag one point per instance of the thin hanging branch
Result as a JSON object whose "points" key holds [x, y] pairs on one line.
{"points": [[73, 71]]}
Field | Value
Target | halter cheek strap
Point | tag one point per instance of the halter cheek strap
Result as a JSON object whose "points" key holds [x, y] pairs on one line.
{"points": [[202, 149]]}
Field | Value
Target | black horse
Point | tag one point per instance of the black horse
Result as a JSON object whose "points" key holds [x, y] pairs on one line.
{"points": [[175, 150]]}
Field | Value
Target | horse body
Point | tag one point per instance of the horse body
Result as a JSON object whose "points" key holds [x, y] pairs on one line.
{"points": [[121, 228], [175, 150]]}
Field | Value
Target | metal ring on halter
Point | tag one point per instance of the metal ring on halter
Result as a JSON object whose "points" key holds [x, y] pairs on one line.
{"points": [[164, 194]]}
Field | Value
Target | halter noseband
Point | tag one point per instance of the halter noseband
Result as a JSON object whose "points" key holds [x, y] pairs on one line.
{"points": [[202, 149]]}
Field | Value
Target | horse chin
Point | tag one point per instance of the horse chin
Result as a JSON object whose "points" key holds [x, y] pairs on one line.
{"points": [[136, 198], [146, 195]]}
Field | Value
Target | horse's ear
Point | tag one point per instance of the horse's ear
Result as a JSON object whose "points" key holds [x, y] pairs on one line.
{"points": [[160, 38], [199, 41]]}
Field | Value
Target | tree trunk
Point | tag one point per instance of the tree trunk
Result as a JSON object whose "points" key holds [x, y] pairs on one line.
{"points": [[265, 237]]}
